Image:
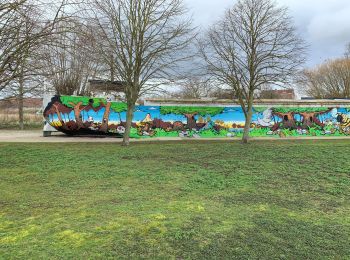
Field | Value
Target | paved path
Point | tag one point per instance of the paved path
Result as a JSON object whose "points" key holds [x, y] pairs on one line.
{"points": [[35, 136]]}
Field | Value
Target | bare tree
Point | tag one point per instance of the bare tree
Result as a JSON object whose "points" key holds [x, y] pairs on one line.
{"points": [[23, 29], [192, 88], [347, 51], [329, 80], [104, 49], [222, 93], [10, 45], [254, 45], [28, 82], [198, 88], [68, 57], [23, 25], [147, 40]]}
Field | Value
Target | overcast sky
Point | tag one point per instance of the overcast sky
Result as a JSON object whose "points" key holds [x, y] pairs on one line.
{"points": [[324, 24]]}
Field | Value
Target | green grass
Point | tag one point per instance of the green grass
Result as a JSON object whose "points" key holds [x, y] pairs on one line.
{"points": [[176, 200], [162, 133]]}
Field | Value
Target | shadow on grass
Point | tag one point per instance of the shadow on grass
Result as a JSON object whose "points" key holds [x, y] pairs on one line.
{"points": [[266, 237], [287, 238]]}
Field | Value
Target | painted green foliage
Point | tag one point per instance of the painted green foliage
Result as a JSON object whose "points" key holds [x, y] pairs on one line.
{"points": [[119, 107], [180, 110], [300, 109], [259, 109], [69, 100]]}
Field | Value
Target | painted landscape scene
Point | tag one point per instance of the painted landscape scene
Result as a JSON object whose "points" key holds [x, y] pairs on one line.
{"points": [[95, 116]]}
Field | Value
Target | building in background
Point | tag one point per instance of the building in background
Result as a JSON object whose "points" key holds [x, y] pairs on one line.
{"points": [[278, 94], [113, 90], [28, 102]]}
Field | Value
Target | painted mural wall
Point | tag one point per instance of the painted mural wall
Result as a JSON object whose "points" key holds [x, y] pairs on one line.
{"points": [[84, 115]]}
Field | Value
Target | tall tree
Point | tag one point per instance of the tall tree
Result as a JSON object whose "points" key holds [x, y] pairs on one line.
{"points": [[254, 45], [148, 39], [23, 29], [328, 80], [23, 25], [68, 58], [192, 88]]}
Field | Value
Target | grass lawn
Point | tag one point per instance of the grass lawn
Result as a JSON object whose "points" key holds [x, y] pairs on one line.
{"points": [[189, 200]]}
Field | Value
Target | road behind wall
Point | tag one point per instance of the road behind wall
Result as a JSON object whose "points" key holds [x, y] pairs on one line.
{"points": [[35, 136]]}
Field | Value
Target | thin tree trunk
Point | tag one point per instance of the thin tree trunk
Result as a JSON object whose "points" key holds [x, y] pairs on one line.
{"points": [[129, 116], [59, 114], [77, 115], [248, 121], [20, 104], [112, 75], [112, 68], [191, 122], [104, 126], [20, 112]]}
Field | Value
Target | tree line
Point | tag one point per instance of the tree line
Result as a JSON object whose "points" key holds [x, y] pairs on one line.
{"points": [[146, 44], [330, 79]]}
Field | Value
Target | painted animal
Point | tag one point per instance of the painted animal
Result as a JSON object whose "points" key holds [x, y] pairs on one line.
{"points": [[266, 121], [178, 125], [344, 122], [145, 129]]}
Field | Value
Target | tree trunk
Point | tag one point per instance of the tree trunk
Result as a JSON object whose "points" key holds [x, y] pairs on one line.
{"points": [[310, 119], [104, 126], [112, 71], [58, 114], [129, 116], [77, 112], [191, 122], [288, 121], [20, 112], [20, 103], [248, 121]]}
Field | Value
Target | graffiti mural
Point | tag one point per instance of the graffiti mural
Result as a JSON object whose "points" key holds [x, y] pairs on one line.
{"points": [[84, 115]]}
